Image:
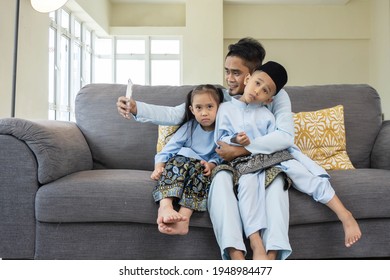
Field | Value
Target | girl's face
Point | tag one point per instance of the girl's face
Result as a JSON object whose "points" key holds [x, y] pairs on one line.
{"points": [[204, 107], [260, 88]]}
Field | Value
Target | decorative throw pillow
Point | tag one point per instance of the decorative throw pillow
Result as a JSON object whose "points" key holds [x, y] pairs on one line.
{"points": [[321, 136], [165, 133]]}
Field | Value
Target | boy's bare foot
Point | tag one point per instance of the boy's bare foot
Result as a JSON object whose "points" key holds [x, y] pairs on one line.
{"points": [[351, 229], [168, 215], [177, 228]]}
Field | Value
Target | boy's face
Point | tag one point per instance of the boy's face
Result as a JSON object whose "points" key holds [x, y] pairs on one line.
{"points": [[260, 88], [235, 73]]}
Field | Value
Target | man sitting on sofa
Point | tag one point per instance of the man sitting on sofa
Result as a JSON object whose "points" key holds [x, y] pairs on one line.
{"points": [[241, 59]]}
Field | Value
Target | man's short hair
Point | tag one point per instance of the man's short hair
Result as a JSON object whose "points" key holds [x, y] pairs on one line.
{"points": [[249, 50]]}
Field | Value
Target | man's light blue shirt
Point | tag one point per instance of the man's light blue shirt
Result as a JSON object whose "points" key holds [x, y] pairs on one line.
{"points": [[280, 139]]}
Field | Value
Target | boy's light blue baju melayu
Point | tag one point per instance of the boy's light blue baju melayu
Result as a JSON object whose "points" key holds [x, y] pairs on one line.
{"points": [[257, 121]]}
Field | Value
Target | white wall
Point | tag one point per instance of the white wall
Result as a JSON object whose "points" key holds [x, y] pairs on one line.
{"points": [[7, 23], [203, 42], [321, 44], [200, 25], [95, 13], [380, 52], [318, 44], [32, 67]]}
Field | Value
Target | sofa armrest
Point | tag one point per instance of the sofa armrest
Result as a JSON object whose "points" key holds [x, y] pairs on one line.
{"points": [[59, 147], [380, 155], [32, 154], [18, 187]]}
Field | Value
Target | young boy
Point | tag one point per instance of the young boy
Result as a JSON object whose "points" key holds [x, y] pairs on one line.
{"points": [[242, 120]]}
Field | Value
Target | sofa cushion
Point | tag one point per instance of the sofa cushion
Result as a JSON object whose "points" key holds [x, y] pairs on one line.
{"points": [[116, 142], [321, 136], [125, 196], [103, 196], [363, 191], [361, 127], [96, 108], [380, 156]]}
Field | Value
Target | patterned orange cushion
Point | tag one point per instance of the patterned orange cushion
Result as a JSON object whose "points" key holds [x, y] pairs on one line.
{"points": [[321, 136], [165, 133]]}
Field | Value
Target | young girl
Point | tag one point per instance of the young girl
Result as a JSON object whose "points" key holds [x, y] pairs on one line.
{"points": [[184, 165]]}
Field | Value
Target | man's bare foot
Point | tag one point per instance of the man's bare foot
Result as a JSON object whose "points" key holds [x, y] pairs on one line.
{"points": [[259, 254], [236, 254], [272, 254], [168, 215], [257, 247], [177, 228], [351, 229]]}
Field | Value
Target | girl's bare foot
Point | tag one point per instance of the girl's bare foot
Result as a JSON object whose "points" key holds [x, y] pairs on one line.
{"points": [[351, 229], [177, 228], [168, 215]]}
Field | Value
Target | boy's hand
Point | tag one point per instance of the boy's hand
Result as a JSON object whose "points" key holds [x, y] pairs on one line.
{"points": [[126, 106], [208, 167], [242, 139]]}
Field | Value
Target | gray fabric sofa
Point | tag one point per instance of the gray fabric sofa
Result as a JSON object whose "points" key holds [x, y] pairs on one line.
{"points": [[82, 190]]}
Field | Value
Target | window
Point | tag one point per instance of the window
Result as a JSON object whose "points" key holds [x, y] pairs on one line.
{"points": [[77, 57], [147, 60], [70, 55]]}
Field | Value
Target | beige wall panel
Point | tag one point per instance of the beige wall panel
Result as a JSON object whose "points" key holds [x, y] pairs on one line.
{"points": [[7, 27], [32, 67], [299, 21], [148, 15]]}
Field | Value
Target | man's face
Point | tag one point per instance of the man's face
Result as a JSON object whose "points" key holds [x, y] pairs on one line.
{"points": [[235, 73]]}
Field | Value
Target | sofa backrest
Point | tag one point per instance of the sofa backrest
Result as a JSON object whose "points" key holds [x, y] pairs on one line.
{"points": [[362, 113], [116, 142], [119, 143]]}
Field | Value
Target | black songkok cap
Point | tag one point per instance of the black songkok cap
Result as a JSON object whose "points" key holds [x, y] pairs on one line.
{"points": [[277, 73]]}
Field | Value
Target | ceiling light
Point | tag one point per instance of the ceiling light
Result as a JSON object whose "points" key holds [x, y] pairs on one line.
{"points": [[46, 6]]}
